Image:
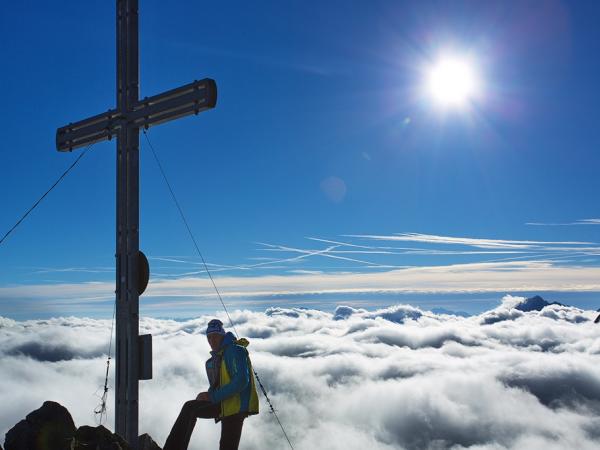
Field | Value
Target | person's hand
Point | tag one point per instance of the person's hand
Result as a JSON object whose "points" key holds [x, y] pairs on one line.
{"points": [[203, 396]]}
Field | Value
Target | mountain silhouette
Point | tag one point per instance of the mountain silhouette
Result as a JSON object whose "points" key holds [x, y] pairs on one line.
{"points": [[535, 303], [450, 312]]}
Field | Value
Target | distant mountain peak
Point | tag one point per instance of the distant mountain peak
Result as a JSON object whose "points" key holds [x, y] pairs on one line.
{"points": [[535, 303], [450, 312]]}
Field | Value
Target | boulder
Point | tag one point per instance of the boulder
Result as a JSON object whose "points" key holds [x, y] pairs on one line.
{"points": [[97, 438], [49, 427], [145, 442]]}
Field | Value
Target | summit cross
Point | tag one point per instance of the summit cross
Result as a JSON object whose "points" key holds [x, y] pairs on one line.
{"points": [[133, 352]]}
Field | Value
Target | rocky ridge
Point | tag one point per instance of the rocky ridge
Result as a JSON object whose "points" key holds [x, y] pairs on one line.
{"points": [[51, 427]]}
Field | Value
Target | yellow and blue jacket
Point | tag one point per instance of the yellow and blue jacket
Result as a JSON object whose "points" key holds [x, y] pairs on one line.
{"points": [[231, 378]]}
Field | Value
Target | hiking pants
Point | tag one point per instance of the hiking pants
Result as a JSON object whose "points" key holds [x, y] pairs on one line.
{"points": [[231, 426]]}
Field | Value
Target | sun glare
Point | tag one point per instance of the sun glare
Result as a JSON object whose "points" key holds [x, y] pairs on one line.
{"points": [[452, 82]]}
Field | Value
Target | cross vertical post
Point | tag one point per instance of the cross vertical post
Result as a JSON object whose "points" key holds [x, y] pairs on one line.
{"points": [[133, 352], [127, 232]]}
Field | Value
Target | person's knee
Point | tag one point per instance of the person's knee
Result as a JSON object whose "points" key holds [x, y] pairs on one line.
{"points": [[189, 405]]}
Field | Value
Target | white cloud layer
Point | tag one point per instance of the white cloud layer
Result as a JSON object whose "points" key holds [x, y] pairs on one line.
{"points": [[396, 378]]}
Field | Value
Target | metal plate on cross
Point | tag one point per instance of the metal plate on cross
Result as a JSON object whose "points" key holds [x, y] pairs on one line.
{"points": [[143, 272]]}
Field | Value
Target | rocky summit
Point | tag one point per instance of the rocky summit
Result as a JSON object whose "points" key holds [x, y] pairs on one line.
{"points": [[536, 303], [51, 427]]}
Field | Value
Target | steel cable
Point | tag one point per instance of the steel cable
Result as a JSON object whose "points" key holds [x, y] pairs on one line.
{"points": [[63, 175]]}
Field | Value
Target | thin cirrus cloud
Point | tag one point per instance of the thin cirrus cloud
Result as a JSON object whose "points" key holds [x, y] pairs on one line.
{"points": [[360, 253], [560, 224], [349, 265], [510, 276], [394, 378], [472, 242], [356, 249], [41, 270]]}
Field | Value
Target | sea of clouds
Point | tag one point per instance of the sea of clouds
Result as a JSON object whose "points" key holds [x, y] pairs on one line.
{"points": [[396, 378]]}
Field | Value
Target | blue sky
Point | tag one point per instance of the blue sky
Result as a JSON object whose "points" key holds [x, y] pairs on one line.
{"points": [[320, 132]]}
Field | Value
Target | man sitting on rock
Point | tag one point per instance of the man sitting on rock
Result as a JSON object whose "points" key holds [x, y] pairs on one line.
{"points": [[231, 397]]}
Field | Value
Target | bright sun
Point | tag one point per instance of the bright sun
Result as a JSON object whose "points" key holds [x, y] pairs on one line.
{"points": [[453, 81]]}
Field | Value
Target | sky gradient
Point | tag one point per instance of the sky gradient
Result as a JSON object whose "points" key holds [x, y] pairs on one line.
{"points": [[323, 176]]}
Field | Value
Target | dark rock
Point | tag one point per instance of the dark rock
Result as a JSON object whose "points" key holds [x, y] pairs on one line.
{"points": [[145, 442], [97, 438], [597, 319], [536, 303], [49, 427]]}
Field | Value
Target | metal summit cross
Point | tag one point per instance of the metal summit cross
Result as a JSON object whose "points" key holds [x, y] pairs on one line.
{"points": [[133, 352]]}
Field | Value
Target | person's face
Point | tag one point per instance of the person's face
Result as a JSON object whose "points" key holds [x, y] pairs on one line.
{"points": [[214, 340]]}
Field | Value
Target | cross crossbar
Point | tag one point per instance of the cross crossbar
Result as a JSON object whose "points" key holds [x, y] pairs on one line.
{"points": [[191, 98]]}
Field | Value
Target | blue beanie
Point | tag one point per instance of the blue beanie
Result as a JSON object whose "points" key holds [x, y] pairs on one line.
{"points": [[215, 326]]}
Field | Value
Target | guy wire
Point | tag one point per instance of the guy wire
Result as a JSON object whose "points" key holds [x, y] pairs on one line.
{"points": [[101, 409], [64, 174]]}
